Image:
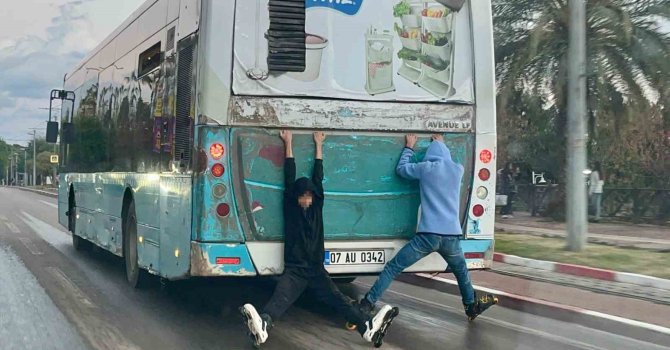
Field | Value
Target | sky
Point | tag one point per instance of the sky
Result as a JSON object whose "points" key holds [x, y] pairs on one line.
{"points": [[41, 41]]}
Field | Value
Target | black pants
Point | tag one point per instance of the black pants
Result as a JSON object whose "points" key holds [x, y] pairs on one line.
{"points": [[293, 283]]}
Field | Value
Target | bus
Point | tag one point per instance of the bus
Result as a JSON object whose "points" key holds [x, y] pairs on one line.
{"points": [[175, 164]]}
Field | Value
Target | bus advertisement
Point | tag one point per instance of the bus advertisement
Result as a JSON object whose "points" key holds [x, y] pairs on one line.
{"points": [[176, 163]]}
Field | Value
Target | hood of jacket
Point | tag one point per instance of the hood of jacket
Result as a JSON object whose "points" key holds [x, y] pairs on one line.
{"points": [[437, 151]]}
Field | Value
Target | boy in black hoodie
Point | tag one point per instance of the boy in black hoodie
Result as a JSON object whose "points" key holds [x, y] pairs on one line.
{"points": [[304, 254]]}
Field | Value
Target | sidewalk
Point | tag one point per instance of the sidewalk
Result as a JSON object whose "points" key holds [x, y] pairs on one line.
{"points": [[49, 192], [612, 286], [625, 235]]}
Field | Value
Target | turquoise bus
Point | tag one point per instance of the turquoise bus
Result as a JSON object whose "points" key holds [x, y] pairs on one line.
{"points": [[175, 163]]}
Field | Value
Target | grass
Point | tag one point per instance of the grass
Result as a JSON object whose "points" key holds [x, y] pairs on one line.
{"points": [[605, 257]]}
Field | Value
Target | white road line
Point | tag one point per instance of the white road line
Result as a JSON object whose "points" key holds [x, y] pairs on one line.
{"points": [[627, 321], [30, 245], [69, 286], [509, 325], [12, 227], [53, 235], [50, 204], [9, 224]]}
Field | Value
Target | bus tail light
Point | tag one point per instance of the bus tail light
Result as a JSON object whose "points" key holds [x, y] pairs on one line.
{"points": [[474, 255], [216, 150], [219, 190], [484, 174], [227, 261], [478, 210], [218, 170], [485, 156], [482, 192], [223, 210]]}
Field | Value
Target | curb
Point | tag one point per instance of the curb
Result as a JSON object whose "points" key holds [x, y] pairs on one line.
{"points": [[40, 192], [584, 271], [643, 331]]}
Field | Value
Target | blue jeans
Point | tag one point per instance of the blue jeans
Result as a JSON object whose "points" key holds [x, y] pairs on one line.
{"points": [[596, 203], [421, 245]]}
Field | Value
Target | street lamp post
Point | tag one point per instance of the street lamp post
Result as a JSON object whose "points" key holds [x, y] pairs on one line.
{"points": [[16, 168], [10, 170], [25, 166], [34, 156], [576, 208]]}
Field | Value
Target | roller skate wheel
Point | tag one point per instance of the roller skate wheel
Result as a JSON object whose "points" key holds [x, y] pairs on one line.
{"points": [[350, 326]]}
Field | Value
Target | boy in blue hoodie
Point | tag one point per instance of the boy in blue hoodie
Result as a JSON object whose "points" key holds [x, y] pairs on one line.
{"points": [[439, 227]]}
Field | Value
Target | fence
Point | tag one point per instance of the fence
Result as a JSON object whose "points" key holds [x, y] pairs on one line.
{"points": [[634, 204]]}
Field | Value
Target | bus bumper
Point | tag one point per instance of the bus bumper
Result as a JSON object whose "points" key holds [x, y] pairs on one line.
{"points": [[234, 259], [268, 256], [220, 259]]}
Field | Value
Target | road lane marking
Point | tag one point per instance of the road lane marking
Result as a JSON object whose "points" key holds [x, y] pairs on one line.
{"points": [[51, 234], [501, 323], [50, 204], [627, 321], [69, 286], [12, 227], [9, 224], [30, 245]]}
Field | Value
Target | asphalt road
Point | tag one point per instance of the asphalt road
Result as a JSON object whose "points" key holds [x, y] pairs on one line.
{"points": [[52, 297]]}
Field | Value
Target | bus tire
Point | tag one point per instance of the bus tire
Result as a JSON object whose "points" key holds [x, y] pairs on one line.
{"points": [[135, 275], [79, 244]]}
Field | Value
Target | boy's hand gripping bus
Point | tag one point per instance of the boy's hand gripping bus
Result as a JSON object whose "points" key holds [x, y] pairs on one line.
{"points": [[176, 163]]}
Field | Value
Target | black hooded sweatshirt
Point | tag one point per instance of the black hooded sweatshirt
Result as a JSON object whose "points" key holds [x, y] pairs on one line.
{"points": [[303, 229]]}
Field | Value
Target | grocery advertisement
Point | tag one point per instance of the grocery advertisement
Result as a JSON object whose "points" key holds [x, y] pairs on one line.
{"points": [[377, 50]]}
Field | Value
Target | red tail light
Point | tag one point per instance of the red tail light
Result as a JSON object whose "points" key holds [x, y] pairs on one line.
{"points": [[478, 210], [216, 150], [218, 170], [223, 210], [474, 255], [227, 261], [484, 174], [485, 156]]}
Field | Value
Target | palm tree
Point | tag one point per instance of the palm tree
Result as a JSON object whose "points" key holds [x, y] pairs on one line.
{"points": [[627, 56]]}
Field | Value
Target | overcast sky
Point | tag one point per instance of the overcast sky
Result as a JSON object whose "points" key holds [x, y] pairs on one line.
{"points": [[40, 41]]}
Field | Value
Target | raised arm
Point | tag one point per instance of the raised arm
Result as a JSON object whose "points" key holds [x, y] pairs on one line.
{"points": [[406, 168], [289, 163], [317, 174]]}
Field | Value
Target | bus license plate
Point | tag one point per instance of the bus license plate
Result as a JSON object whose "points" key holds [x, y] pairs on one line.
{"points": [[354, 257]]}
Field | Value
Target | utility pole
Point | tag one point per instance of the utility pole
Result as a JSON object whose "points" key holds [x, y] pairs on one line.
{"points": [[34, 156], [16, 169], [9, 170], [25, 167], [576, 208]]}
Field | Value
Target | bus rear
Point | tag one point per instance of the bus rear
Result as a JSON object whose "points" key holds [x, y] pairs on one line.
{"points": [[366, 73]]}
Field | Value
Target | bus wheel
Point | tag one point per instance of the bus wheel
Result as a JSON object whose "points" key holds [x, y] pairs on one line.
{"points": [[79, 244], [135, 275]]}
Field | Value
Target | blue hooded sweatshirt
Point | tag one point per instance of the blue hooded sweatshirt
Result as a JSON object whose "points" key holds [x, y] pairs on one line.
{"points": [[440, 186]]}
